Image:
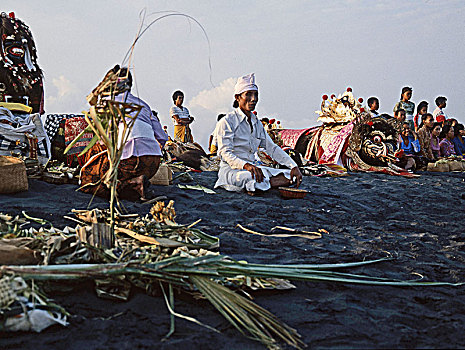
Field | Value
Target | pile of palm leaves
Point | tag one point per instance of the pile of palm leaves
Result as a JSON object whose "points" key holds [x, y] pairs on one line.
{"points": [[153, 251]]}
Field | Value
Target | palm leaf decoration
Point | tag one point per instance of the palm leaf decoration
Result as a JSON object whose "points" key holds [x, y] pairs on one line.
{"points": [[156, 251], [208, 272], [105, 118]]}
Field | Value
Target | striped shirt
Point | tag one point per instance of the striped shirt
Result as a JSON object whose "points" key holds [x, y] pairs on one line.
{"points": [[182, 113], [408, 107]]}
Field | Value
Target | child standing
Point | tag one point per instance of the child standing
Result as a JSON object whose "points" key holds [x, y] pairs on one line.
{"points": [[422, 109], [441, 103], [373, 105], [406, 105]]}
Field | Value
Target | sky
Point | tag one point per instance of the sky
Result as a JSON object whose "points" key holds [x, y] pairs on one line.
{"points": [[299, 50]]}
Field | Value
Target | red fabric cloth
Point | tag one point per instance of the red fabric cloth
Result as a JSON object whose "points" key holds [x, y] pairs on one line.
{"points": [[73, 127]]}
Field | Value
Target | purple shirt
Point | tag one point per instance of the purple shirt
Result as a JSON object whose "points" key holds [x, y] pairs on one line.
{"points": [[143, 146], [436, 149], [447, 148]]}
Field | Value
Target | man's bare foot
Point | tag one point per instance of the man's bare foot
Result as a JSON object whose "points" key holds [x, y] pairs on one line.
{"points": [[137, 185]]}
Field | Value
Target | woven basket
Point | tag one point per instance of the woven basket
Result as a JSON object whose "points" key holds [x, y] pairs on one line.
{"points": [[438, 167], [292, 193], [13, 176], [455, 165]]}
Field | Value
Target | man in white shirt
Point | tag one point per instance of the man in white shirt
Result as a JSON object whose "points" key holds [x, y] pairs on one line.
{"points": [[239, 135]]}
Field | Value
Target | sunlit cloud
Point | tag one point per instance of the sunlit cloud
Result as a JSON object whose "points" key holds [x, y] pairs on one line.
{"points": [[64, 97], [215, 99]]}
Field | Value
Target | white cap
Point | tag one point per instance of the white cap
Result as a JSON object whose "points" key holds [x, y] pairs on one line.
{"points": [[245, 83]]}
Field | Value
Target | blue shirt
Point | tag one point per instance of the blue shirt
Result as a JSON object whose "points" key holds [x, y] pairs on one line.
{"points": [[413, 145], [459, 146]]}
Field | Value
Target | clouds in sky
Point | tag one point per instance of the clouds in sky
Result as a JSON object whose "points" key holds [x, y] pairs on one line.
{"points": [[206, 106], [216, 99], [64, 96]]}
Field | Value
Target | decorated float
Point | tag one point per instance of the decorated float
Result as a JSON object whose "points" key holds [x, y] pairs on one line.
{"points": [[21, 93], [349, 136]]}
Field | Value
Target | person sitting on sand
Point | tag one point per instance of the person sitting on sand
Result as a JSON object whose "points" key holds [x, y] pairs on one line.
{"points": [[459, 141], [181, 118], [435, 132], [409, 141], [240, 134], [424, 135], [141, 154], [422, 109], [447, 148], [212, 142]]}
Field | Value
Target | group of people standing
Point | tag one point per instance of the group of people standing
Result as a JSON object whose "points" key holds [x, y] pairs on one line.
{"points": [[427, 135]]}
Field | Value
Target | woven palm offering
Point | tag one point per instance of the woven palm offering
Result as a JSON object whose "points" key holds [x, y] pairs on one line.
{"points": [[292, 193], [155, 253], [13, 177]]}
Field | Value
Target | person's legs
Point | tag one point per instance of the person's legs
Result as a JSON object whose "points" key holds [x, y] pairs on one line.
{"points": [[95, 168], [134, 174], [243, 179], [179, 133]]}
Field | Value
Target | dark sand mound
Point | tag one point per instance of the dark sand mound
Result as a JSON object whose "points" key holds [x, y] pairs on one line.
{"points": [[420, 221]]}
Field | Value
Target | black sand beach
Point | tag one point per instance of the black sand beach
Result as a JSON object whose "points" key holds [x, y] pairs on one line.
{"points": [[420, 221]]}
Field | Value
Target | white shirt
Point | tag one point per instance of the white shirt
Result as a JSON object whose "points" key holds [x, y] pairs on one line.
{"points": [[214, 137], [147, 135], [237, 144], [439, 111], [182, 113]]}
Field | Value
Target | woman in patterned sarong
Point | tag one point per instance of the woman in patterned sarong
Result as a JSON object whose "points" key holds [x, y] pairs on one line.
{"points": [[181, 118], [133, 174]]}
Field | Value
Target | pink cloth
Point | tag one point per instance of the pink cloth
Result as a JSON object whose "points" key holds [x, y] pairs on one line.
{"points": [[333, 152], [291, 136]]}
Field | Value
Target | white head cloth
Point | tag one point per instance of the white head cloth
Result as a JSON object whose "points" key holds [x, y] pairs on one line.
{"points": [[245, 83]]}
